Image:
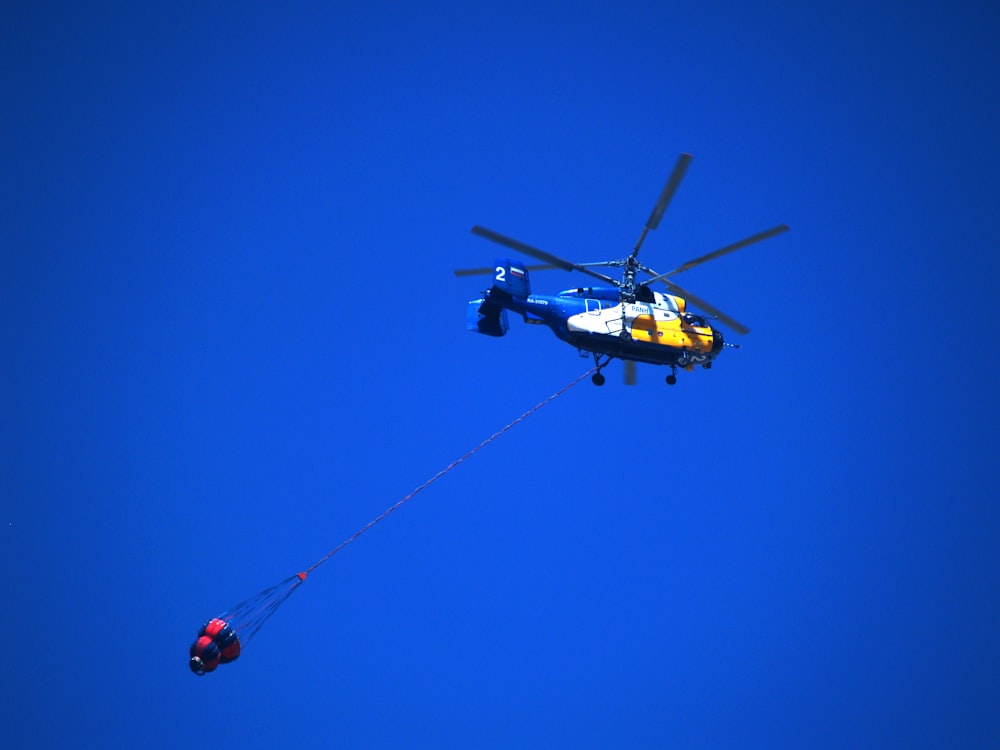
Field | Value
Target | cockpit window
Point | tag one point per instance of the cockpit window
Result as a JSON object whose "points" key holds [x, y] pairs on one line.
{"points": [[695, 320]]}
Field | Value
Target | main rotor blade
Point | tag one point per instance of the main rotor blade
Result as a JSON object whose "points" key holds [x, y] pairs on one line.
{"points": [[683, 161], [673, 182], [766, 234], [486, 270], [522, 247], [534, 252], [492, 269], [703, 305]]}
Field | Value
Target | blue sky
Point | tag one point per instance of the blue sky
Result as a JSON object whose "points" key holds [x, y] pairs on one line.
{"points": [[233, 337]]}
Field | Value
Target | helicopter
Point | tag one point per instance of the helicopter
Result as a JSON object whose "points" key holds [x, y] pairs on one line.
{"points": [[627, 320]]}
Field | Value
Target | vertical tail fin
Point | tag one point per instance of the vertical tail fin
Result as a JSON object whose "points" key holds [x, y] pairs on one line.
{"points": [[511, 277]]}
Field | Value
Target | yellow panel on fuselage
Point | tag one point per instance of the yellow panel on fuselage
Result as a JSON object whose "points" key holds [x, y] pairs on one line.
{"points": [[672, 333]]}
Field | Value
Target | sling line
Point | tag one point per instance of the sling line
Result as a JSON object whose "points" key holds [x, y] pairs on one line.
{"points": [[443, 471]]}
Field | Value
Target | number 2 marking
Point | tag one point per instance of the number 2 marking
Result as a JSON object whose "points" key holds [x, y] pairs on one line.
{"points": [[501, 274]]}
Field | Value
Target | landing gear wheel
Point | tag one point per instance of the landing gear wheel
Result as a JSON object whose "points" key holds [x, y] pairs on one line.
{"points": [[597, 378], [672, 378]]}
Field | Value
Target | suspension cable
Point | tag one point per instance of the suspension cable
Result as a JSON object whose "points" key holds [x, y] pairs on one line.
{"points": [[445, 470], [246, 618]]}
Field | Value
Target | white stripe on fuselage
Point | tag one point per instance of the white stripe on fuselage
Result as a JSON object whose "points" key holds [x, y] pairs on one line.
{"points": [[608, 320]]}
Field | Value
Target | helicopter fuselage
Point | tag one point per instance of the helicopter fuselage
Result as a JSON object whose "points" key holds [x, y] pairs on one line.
{"points": [[656, 330]]}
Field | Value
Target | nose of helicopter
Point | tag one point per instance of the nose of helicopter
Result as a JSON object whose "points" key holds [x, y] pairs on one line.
{"points": [[717, 341]]}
